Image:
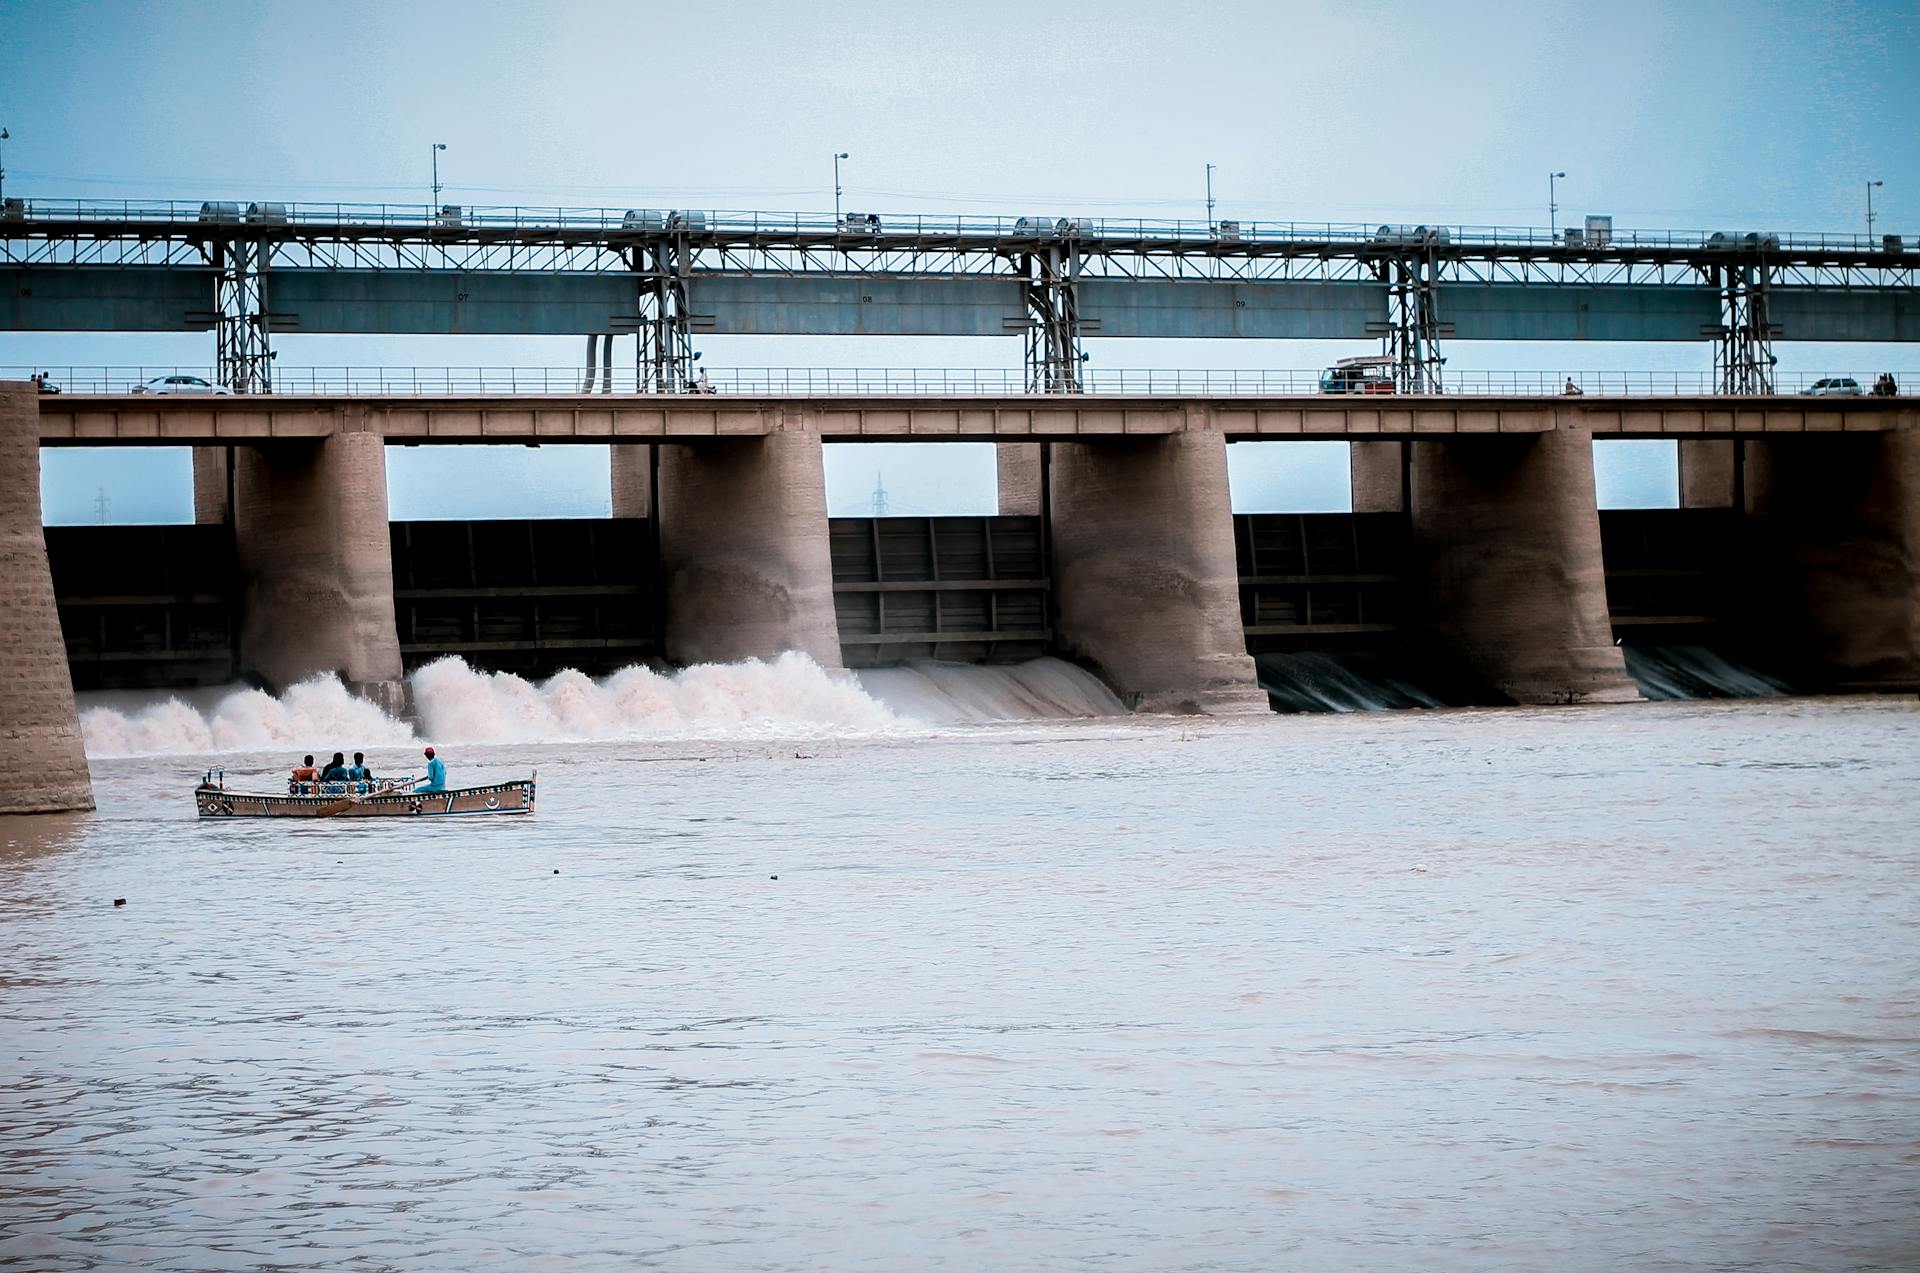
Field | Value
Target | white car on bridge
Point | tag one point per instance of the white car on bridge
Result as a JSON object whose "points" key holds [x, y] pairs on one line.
{"points": [[180, 384]]}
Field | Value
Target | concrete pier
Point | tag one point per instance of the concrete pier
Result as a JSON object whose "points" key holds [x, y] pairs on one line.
{"points": [[209, 485], [310, 524], [1377, 471], [1508, 533], [1706, 472], [632, 477], [1017, 473], [1835, 577], [744, 547], [46, 767], [1146, 585]]}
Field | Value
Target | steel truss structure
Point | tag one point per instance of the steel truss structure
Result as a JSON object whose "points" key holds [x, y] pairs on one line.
{"points": [[663, 350], [244, 358], [1053, 354], [1743, 359], [1423, 270]]}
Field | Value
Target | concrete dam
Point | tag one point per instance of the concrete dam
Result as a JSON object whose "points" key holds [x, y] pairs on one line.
{"points": [[1475, 541]]}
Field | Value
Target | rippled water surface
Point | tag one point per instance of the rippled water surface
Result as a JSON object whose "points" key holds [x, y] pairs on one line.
{"points": [[1627, 988]]}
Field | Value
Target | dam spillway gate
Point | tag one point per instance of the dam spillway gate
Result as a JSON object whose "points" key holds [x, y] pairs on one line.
{"points": [[532, 597], [146, 607], [1319, 579], [958, 589]]}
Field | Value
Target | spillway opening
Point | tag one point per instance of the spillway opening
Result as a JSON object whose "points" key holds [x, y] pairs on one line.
{"points": [[1681, 588], [1327, 605]]}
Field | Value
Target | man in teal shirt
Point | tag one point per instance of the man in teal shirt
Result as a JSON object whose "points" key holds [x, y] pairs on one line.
{"points": [[436, 774]]}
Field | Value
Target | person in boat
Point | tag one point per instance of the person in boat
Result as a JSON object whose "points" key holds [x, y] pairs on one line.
{"points": [[336, 770], [436, 774], [302, 772], [358, 770]]}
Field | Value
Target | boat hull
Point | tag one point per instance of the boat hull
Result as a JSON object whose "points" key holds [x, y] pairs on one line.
{"points": [[502, 798]]}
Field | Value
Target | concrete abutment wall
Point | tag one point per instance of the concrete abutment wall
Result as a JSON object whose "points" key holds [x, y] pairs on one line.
{"points": [[1146, 584], [46, 767]]}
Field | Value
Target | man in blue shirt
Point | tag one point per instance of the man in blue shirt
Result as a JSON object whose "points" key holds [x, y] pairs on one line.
{"points": [[436, 774]]}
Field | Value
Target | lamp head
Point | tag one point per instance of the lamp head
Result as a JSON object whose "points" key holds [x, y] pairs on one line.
{"points": [[841, 154], [1557, 174], [439, 145]]}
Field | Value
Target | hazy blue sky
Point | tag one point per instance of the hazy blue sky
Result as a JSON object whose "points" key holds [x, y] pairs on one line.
{"points": [[1683, 115]]}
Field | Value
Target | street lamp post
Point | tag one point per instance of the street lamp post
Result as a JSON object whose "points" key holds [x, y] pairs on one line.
{"points": [[3, 163], [435, 206], [838, 155], [1210, 198], [1870, 186], [1553, 207]]}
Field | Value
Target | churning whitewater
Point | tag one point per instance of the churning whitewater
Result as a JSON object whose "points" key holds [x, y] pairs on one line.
{"points": [[455, 703]]}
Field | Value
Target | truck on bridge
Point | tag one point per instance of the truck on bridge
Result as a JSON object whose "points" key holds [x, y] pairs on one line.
{"points": [[1370, 374]]}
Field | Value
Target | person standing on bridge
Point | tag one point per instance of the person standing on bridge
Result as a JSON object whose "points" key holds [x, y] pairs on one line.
{"points": [[436, 774]]}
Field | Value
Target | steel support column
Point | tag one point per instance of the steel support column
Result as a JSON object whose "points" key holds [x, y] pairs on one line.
{"points": [[243, 357], [1053, 330], [1743, 358], [664, 356], [1413, 337]]}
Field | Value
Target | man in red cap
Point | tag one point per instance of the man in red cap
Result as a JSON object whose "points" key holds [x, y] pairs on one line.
{"points": [[436, 774]]}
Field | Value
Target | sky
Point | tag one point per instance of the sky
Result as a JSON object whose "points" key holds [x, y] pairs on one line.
{"points": [[1698, 115]]}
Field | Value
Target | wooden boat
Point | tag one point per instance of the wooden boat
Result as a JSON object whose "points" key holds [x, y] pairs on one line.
{"points": [[384, 799]]}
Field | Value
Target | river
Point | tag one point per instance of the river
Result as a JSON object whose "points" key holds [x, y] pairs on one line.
{"points": [[1594, 988]]}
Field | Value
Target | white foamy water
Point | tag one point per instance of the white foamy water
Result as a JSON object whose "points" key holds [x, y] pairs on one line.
{"points": [[755, 698], [302, 719], [784, 697]]}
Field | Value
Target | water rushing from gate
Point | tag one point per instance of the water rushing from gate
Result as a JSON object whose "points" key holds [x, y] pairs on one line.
{"points": [[1601, 988], [456, 703]]}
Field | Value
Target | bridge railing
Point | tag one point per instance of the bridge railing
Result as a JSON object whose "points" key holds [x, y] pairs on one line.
{"points": [[821, 382], [863, 228]]}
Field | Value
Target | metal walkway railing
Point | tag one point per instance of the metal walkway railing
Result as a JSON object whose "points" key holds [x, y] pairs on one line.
{"points": [[824, 382], [279, 217]]}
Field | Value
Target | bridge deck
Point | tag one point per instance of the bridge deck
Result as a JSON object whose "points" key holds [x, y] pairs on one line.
{"points": [[106, 420]]}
